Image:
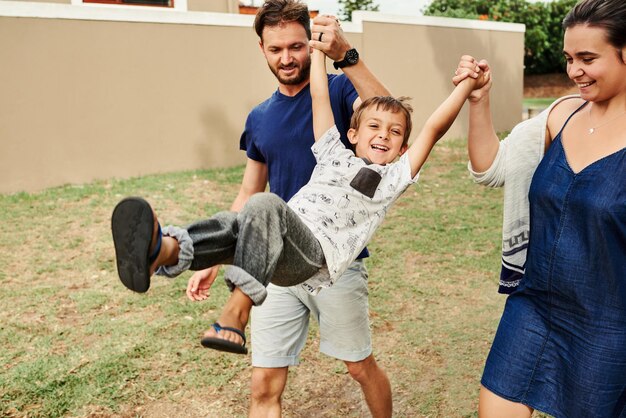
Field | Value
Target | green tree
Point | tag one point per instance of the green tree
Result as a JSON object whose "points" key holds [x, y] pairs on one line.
{"points": [[543, 40], [346, 7]]}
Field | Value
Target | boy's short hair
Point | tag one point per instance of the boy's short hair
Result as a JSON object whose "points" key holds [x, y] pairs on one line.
{"points": [[386, 104], [279, 12]]}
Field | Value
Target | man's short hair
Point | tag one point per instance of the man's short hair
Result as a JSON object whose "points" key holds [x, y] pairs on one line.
{"points": [[386, 104], [279, 12]]}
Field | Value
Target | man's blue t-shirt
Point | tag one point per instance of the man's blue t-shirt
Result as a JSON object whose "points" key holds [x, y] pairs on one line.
{"points": [[279, 133]]}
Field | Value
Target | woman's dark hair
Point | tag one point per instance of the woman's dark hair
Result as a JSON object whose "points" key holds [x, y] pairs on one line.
{"points": [[279, 12], [609, 15]]}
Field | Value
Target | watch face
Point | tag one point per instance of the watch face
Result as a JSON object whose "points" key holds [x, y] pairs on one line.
{"points": [[352, 56]]}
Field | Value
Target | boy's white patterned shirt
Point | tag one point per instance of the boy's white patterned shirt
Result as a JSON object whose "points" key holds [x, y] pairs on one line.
{"points": [[342, 218]]}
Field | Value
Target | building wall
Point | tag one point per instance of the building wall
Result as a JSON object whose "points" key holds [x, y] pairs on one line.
{"points": [[222, 6], [47, 1], [97, 94], [423, 53]]}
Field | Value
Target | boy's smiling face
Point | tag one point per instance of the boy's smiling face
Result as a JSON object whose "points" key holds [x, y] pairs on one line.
{"points": [[380, 135]]}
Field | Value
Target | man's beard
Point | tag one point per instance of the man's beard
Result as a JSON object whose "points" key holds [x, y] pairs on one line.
{"points": [[301, 76]]}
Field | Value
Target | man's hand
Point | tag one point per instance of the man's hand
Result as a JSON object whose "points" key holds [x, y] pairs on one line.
{"points": [[477, 70], [333, 42], [200, 283]]}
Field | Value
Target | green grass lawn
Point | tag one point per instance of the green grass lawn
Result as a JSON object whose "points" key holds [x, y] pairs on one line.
{"points": [[76, 343], [542, 102]]}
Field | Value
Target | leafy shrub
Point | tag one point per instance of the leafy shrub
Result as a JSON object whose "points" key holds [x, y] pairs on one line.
{"points": [[346, 7]]}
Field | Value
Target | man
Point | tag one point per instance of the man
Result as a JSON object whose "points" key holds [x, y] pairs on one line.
{"points": [[277, 140]]}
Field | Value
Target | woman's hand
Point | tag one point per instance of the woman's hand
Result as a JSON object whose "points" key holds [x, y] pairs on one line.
{"points": [[478, 70]]}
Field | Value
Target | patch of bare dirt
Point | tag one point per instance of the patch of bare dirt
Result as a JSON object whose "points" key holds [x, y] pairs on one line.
{"points": [[548, 85]]}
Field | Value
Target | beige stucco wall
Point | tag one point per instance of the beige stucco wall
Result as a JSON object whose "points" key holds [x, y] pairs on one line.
{"points": [[95, 99], [47, 1], [223, 6], [421, 60]]}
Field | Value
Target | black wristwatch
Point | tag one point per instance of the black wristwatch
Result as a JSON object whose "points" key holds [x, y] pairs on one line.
{"points": [[351, 58]]}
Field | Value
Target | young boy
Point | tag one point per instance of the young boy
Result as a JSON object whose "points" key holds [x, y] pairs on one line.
{"points": [[310, 240]]}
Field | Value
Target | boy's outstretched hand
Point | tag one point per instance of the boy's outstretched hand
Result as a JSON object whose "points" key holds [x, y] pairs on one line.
{"points": [[480, 71], [333, 42]]}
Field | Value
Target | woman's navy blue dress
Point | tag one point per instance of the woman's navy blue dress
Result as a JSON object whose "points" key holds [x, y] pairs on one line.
{"points": [[561, 344]]}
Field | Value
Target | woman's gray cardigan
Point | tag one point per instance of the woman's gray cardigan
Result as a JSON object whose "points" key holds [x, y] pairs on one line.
{"points": [[518, 156]]}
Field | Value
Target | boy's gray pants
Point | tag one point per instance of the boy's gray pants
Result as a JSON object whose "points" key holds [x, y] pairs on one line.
{"points": [[265, 242]]}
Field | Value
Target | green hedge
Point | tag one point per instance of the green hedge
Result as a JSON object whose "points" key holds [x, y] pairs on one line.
{"points": [[346, 7]]}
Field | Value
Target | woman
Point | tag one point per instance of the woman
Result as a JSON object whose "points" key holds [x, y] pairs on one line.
{"points": [[560, 347]]}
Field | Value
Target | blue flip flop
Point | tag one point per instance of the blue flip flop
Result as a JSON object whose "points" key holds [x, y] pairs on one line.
{"points": [[132, 226], [224, 345]]}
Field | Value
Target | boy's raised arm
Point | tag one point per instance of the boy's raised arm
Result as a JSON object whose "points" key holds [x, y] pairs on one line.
{"points": [[323, 118], [440, 121]]}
